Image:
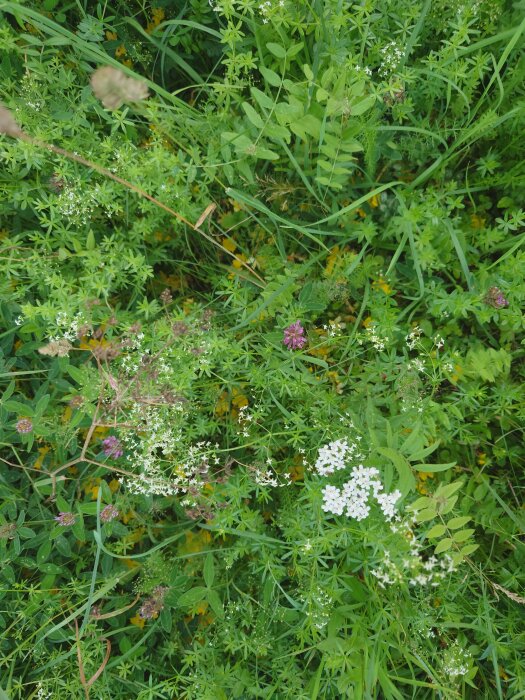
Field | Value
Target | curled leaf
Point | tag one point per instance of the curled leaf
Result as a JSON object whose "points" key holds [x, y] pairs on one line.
{"points": [[113, 87]]}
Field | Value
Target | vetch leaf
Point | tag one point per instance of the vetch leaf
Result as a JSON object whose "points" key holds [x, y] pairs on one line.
{"points": [[443, 546], [462, 535], [209, 570], [277, 50], [460, 521], [252, 115], [437, 531]]}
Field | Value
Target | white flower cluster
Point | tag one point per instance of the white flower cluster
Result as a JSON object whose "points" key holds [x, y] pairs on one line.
{"points": [[413, 567], [68, 327], [456, 661], [412, 339], [335, 455], [355, 495], [318, 607], [373, 337], [157, 447], [267, 6], [391, 56]]}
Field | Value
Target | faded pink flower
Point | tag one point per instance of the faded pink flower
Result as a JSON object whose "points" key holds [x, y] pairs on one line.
{"points": [[109, 513], [294, 336], [112, 447], [24, 425], [65, 519], [496, 298]]}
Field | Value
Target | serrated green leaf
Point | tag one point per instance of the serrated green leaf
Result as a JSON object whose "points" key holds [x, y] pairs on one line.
{"points": [[443, 546], [436, 531]]}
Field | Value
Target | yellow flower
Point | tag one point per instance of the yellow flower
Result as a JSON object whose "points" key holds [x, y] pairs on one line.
{"points": [[41, 456], [138, 621], [382, 284], [229, 244], [111, 36], [374, 201], [120, 51], [458, 372], [477, 221]]}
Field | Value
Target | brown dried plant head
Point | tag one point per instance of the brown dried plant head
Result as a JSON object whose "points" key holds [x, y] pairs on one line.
{"points": [[113, 87], [8, 123], [56, 348]]}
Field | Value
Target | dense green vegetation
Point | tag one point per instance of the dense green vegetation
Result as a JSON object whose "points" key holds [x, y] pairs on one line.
{"points": [[261, 383]]}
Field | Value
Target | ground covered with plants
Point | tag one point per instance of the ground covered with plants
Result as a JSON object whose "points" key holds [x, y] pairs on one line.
{"points": [[261, 349]]}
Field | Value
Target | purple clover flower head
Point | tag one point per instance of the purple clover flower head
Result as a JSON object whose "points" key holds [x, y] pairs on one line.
{"points": [[294, 336], [24, 425], [112, 447], [496, 298], [109, 513], [65, 519]]}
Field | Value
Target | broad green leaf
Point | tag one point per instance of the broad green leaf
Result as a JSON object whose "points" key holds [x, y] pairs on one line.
{"points": [[18, 407], [362, 106], [444, 491], [449, 505], [192, 597], [420, 503], [265, 154], [270, 76], [460, 521], [462, 535], [437, 531], [428, 514], [434, 468], [308, 72], [43, 552], [443, 546], [262, 98], [407, 480], [468, 549], [209, 570], [252, 115], [294, 49], [215, 602], [277, 50]]}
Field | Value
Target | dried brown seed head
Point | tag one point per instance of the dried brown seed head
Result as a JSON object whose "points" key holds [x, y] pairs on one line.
{"points": [[113, 87], [8, 123]]}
